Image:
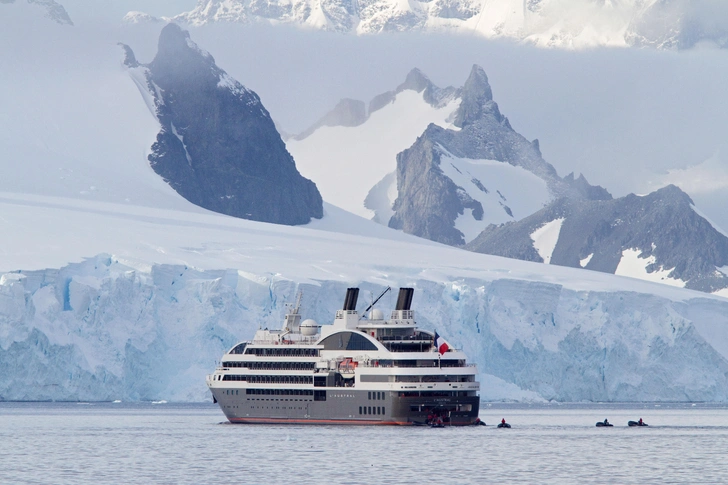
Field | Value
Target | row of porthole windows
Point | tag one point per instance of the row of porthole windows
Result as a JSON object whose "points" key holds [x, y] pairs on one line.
{"points": [[375, 395], [379, 410], [272, 365], [270, 379], [279, 392], [283, 351]]}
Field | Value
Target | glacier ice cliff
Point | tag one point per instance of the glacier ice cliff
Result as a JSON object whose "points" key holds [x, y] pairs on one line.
{"points": [[104, 330]]}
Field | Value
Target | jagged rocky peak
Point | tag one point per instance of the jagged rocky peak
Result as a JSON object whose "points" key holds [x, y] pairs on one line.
{"points": [[177, 55], [477, 97], [463, 190], [218, 146], [658, 237], [52, 9], [583, 187], [416, 81]]}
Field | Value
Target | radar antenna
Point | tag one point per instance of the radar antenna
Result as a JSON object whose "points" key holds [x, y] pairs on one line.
{"points": [[378, 298], [294, 307]]}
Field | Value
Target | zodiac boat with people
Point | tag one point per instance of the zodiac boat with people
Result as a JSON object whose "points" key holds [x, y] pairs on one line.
{"points": [[358, 370]]}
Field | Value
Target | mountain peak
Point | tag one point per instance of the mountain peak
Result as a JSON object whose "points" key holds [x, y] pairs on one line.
{"points": [[476, 94], [173, 40], [416, 80], [585, 189], [675, 193], [179, 57], [218, 146], [477, 83]]}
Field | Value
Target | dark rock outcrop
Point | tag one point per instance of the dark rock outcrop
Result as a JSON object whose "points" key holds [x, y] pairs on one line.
{"points": [[218, 146], [432, 201], [428, 202], [662, 225]]}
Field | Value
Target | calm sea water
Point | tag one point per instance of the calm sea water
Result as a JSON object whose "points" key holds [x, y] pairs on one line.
{"points": [[144, 443]]}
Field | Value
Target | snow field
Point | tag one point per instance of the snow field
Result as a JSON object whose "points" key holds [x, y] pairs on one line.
{"points": [[499, 187], [634, 266], [545, 239], [346, 162]]}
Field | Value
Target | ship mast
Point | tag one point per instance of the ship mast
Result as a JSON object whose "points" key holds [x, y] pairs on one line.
{"points": [[292, 322]]}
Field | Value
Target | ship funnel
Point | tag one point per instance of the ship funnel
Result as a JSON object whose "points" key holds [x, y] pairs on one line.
{"points": [[352, 295], [404, 300]]}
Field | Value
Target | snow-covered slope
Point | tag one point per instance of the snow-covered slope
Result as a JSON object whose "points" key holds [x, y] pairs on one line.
{"points": [[549, 23], [505, 192], [345, 162]]}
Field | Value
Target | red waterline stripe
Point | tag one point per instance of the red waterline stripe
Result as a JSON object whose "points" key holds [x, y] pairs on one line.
{"points": [[314, 421]]}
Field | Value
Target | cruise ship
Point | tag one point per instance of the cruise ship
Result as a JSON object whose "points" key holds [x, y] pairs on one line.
{"points": [[362, 369]]}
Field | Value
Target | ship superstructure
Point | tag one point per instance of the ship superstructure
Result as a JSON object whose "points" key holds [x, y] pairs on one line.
{"points": [[358, 370]]}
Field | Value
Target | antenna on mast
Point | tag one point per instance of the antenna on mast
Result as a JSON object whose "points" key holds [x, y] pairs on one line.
{"points": [[293, 317], [378, 298]]}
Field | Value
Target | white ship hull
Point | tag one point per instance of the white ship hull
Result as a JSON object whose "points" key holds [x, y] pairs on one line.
{"points": [[356, 371]]}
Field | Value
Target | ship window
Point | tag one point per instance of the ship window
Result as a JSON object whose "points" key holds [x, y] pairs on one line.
{"points": [[370, 410], [347, 341], [319, 395], [383, 412], [369, 395], [239, 349], [359, 409], [359, 342], [378, 410]]}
